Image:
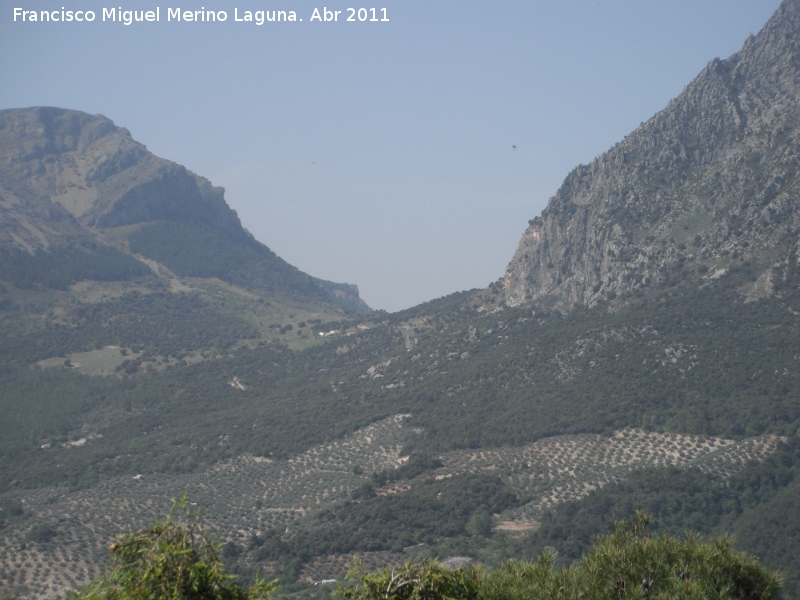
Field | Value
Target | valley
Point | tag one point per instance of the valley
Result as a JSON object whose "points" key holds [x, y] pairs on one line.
{"points": [[641, 352]]}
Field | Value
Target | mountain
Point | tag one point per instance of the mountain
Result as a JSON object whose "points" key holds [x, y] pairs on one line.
{"points": [[94, 172], [71, 179], [643, 352], [709, 182]]}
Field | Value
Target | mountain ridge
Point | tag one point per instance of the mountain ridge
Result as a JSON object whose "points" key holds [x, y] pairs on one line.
{"points": [[709, 179], [67, 177], [99, 174]]}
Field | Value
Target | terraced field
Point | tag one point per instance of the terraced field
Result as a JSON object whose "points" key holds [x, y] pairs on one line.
{"points": [[60, 539], [568, 467], [248, 494]]}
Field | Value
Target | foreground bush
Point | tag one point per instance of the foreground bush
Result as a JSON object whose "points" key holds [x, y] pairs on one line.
{"points": [[172, 559], [627, 563], [426, 581]]}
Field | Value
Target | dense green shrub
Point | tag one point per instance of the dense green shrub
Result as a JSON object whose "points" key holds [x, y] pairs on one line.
{"points": [[172, 559], [197, 250], [41, 533], [427, 580], [628, 563], [60, 267], [429, 511]]}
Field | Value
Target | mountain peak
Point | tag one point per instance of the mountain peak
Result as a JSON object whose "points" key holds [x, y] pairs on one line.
{"points": [[95, 171], [67, 176], [708, 181]]}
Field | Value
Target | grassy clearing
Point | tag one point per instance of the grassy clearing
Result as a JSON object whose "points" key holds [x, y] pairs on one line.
{"points": [[95, 362], [278, 320]]}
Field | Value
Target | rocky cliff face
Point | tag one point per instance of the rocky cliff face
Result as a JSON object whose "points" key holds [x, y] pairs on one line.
{"points": [[710, 181], [67, 176], [79, 169]]}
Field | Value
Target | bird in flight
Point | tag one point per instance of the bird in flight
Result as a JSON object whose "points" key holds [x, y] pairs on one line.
{"points": [[514, 147]]}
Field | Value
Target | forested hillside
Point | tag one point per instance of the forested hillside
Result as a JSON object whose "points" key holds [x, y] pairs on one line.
{"points": [[643, 352]]}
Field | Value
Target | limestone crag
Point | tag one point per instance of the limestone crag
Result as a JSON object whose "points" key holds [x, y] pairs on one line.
{"points": [[82, 167], [68, 177], [709, 182]]}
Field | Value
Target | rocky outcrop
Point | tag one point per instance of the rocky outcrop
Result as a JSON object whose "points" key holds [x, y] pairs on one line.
{"points": [[710, 180], [100, 176], [67, 176], [344, 294]]}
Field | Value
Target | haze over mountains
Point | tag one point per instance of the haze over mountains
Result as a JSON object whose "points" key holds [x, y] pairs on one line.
{"points": [[643, 351]]}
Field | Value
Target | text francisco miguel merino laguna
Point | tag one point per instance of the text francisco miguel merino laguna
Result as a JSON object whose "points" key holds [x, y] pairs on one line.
{"points": [[129, 17]]}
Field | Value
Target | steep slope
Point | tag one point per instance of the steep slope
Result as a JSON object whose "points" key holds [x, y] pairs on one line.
{"points": [[82, 166], [69, 179], [710, 181]]}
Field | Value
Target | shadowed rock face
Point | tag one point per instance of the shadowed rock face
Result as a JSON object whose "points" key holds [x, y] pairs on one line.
{"points": [[708, 182], [82, 167], [67, 176]]}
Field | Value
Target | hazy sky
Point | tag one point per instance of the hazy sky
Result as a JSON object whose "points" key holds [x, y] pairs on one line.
{"points": [[379, 153]]}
